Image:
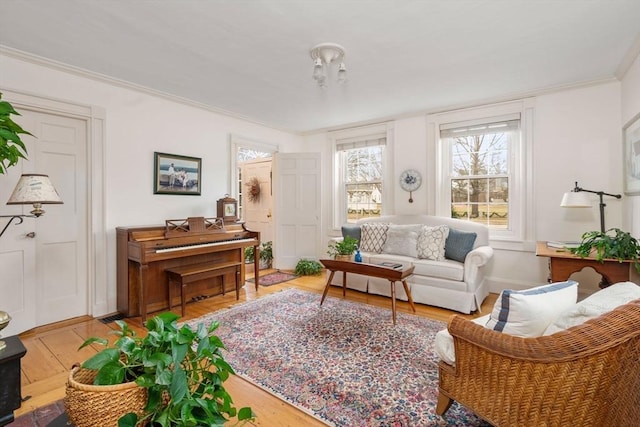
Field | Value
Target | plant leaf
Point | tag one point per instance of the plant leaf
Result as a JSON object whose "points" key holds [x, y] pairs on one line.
{"points": [[97, 361]]}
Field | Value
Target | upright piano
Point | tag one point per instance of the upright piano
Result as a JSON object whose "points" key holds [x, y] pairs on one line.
{"points": [[144, 253]]}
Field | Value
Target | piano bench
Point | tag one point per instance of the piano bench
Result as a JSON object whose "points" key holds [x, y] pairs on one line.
{"points": [[183, 275]]}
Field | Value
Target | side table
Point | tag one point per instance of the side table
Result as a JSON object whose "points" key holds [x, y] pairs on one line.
{"points": [[10, 388]]}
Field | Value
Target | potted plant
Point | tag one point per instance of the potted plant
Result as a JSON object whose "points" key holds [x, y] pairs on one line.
{"points": [[307, 267], [343, 249], [182, 371], [249, 254], [12, 148], [611, 244], [266, 254]]}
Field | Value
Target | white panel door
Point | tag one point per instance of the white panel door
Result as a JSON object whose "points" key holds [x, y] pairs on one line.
{"points": [[297, 210], [49, 273]]}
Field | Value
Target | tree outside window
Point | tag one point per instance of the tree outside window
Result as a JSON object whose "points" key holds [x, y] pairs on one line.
{"points": [[480, 174], [363, 181]]}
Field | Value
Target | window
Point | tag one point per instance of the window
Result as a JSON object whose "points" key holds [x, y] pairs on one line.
{"points": [[480, 170], [359, 166], [482, 155], [362, 171]]}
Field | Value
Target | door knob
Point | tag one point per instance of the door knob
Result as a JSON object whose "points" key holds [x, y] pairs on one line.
{"points": [[31, 234]]}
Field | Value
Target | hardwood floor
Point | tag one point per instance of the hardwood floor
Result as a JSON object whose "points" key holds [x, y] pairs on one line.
{"points": [[52, 350]]}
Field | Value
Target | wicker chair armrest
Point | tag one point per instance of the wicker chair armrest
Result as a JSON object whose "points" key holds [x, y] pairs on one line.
{"points": [[592, 337]]}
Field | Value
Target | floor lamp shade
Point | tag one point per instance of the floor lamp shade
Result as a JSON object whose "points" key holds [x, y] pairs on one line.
{"points": [[34, 189]]}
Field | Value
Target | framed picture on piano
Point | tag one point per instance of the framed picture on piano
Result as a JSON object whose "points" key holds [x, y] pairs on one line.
{"points": [[175, 174]]}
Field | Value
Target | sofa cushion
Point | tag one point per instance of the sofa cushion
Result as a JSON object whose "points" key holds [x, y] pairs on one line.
{"points": [[528, 313], [402, 240], [352, 230], [445, 269], [373, 236], [459, 244], [443, 343], [595, 305], [431, 242]]}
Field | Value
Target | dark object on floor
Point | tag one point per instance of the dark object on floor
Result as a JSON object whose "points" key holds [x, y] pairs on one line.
{"points": [[10, 391], [274, 278], [114, 317], [52, 415]]}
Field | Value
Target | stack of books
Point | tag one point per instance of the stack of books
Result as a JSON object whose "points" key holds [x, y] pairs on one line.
{"points": [[563, 245]]}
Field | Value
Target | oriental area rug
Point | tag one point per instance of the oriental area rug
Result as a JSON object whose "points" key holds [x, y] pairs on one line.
{"points": [[274, 278], [343, 362]]}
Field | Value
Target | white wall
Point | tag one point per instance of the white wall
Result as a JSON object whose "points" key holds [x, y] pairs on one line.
{"points": [[576, 137], [137, 124]]}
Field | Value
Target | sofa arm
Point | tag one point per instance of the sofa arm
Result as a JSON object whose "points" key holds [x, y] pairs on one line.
{"points": [[475, 259]]}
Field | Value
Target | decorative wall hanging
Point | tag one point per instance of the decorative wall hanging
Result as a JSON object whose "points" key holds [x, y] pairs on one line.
{"points": [[174, 174], [631, 157], [253, 189], [410, 180]]}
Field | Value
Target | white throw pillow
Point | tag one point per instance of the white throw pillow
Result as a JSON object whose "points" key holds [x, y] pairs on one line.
{"points": [[528, 313], [402, 240], [431, 242], [595, 305], [374, 235]]}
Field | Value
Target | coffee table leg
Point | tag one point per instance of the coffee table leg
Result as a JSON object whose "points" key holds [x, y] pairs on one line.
{"points": [[393, 301], [326, 288], [344, 283], [406, 289]]}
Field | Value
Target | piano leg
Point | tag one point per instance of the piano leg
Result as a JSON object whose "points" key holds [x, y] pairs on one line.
{"points": [[144, 268], [256, 265]]}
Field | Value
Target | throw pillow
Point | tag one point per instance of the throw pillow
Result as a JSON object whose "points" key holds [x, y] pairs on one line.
{"points": [[373, 236], [352, 230], [431, 242], [459, 244], [595, 305], [402, 240], [528, 313]]}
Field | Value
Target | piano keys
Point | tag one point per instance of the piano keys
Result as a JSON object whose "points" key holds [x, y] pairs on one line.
{"points": [[144, 253]]}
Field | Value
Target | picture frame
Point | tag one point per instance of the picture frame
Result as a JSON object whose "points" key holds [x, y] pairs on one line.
{"points": [[631, 156], [176, 174]]}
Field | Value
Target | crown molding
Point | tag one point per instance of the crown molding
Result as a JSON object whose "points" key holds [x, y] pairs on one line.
{"points": [[628, 58], [81, 72]]}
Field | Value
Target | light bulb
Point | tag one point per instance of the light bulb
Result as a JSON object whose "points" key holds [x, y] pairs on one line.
{"points": [[342, 73], [318, 72]]}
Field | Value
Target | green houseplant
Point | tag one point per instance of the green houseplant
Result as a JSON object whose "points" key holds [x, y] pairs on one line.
{"points": [[182, 369], [345, 247], [307, 267], [266, 254], [611, 244], [12, 148]]}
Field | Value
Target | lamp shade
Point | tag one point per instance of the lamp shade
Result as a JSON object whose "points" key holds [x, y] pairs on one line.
{"points": [[576, 199], [34, 188]]}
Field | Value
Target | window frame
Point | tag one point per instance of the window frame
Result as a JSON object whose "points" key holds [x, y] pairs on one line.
{"points": [[337, 138], [520, 158]]}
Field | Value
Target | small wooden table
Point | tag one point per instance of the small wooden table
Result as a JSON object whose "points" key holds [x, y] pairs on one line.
{"points": [[562, 263], [391, 274]]}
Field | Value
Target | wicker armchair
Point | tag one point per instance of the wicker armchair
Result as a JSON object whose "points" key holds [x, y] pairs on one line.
{"points": [[588, 375]]}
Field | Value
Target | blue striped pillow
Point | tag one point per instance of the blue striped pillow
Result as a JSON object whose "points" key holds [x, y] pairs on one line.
{"points": [[528, 313]]}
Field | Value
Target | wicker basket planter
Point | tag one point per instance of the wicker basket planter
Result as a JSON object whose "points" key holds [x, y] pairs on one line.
{"points": [[91, 405]]}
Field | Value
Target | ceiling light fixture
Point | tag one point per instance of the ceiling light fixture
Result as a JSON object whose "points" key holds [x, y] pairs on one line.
{"points": [[323, 55]]}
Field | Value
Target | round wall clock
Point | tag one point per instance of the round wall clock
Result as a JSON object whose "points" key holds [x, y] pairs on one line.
{"points": [[410, 180]]}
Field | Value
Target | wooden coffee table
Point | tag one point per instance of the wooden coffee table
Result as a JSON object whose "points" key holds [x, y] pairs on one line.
{"points": [[373, 270]]}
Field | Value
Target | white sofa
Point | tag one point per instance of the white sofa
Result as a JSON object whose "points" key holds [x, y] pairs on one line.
{"points": [[446, 283]]}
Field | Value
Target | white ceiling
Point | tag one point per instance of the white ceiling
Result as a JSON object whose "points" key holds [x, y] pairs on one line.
{"points": [[250, 58]]}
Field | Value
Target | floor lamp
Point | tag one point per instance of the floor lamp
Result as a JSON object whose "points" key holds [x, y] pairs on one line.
{"points": [[31, 189], [577, 199]]}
